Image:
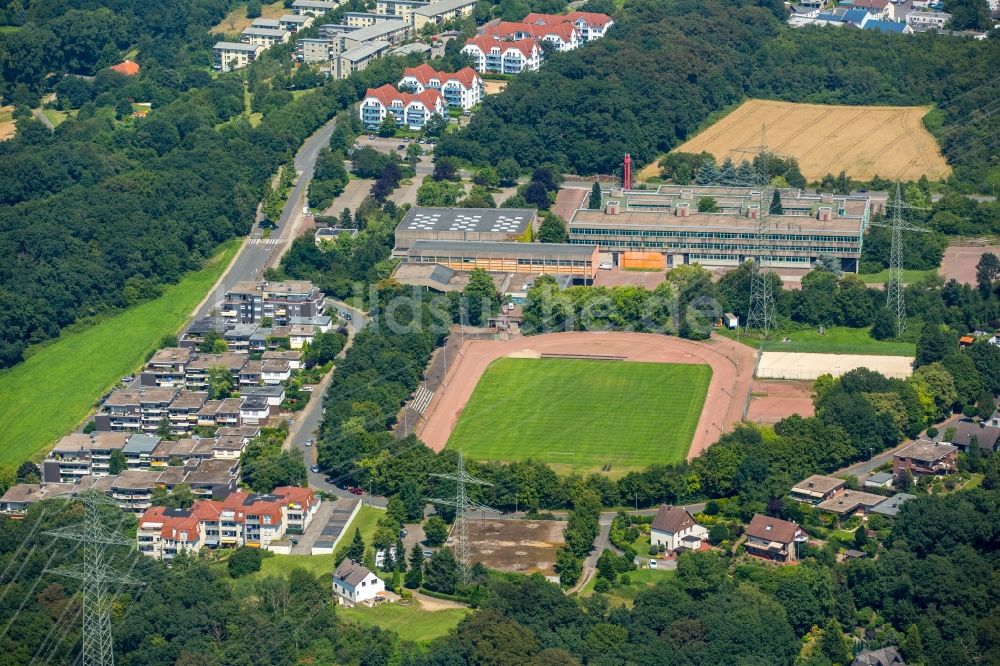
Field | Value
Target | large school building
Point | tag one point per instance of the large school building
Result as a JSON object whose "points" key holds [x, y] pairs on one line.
{"points": [[634, 225]]}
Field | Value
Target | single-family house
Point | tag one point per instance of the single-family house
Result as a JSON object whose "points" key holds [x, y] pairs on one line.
{"points": [[886, 656], [774, 539], [890, 507], [354, 583], [674, 527], [849, 502], [966, 433], [817, 489], [925, 457]]}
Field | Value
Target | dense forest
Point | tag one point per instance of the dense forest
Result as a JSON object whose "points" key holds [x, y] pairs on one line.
{"points": [[108, 208], [665, 66]]}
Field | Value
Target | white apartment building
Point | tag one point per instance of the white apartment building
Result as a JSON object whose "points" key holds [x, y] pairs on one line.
{"points": [[463, 89], [927, 20], [563, 36], [266, 37], [313, 7], [591, 25], [492, 55], [235, 55], [410, 110]]}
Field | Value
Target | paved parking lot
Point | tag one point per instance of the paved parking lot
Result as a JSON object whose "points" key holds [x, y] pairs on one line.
{"points": [[329, 523]]}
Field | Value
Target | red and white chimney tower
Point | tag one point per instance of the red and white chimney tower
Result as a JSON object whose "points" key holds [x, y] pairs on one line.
{"points": [[627, 180]]}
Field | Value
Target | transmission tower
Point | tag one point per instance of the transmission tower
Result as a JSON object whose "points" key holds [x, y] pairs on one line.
{"points": [[895, 300], [463, 506], [97, 575], [760, 314]]}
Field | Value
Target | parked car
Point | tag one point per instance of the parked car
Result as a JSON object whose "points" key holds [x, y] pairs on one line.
{"points": [[604, 266], [652, 563], [428, 554], [356, 491], [309, 442], [401, 146], [315, 469], [306, 389], [402, 532], [295, 542], [510, 307]]}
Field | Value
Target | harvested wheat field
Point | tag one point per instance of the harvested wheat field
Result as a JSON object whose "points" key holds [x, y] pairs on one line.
{"points": [[236, 20], [864, 141]]}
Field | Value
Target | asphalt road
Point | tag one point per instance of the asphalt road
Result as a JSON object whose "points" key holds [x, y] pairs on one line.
{"points": [[258, 253]]}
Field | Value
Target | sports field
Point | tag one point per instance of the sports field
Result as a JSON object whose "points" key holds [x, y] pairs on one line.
{"points": [[583, 415], [55, 388], [864, 141]]}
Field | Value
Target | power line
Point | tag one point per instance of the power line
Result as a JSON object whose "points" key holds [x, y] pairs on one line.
{"points": [[463, 505], [895, 299], [96, 573]]}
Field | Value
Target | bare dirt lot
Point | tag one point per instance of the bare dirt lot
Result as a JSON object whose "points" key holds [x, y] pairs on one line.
{"points": [[732, 374], [960, 261], [772, 401], [807, 366], [491, 87], [520, 546], [236, 20], [864, 141]]}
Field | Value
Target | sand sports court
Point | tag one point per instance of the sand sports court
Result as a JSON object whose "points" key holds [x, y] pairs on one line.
{"points": [[863, 141], [732, 369], [800, 365]]}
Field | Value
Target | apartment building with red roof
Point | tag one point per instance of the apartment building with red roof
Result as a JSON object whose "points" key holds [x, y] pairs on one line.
{"points": [[563, 36], [411, 110], [490, 54], [462, 89], [241, 519], [592, 25]]}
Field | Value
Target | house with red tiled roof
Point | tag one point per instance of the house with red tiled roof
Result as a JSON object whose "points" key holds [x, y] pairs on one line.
{"points": [[411, 110], [127, 67], [774, 539], [490, 54], [462, 89]]}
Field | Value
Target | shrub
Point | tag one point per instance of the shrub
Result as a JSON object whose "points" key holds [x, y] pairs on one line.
{"points": [[602, 585], [244, 561]]}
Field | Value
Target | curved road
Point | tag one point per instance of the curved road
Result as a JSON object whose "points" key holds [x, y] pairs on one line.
{"points": [[258, 253]]}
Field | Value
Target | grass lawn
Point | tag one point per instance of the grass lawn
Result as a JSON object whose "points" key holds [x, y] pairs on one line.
{"points": [[583, 414], [624, 595], [909, 276], [55, 388], [835, 340], [55, 117], [412, 623]]}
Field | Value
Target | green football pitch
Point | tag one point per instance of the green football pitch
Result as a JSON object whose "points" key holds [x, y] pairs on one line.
{"points": [[583, 415]]}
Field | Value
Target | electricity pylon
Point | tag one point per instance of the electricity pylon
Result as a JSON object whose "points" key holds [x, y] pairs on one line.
{"points": [[895, 300], [463, 505], [760, 314], [97, 575]]}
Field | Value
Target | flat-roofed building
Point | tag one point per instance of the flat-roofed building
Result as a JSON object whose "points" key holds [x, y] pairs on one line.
{"points": [[20, 496], [78, 455], [849, 502], [667, 221], [252, 302], [166, 367], [578, 261], [134, 410], [314, 49], [313, 7], [295, 22], [402, 9], [356, 58], [817, 489], [443, 11], [466, 224], [365, 19], [392, 31], [235, 55], [266, 37]]}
